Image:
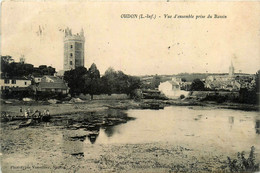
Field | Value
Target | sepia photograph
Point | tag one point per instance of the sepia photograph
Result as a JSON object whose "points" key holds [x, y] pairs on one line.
{"points": [[132, 87]]}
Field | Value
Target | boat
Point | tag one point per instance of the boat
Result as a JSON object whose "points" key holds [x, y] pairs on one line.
{"points": [[154, 105], [26, 124], [45, 118]]}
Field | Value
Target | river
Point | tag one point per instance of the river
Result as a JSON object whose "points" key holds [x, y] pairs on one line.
{"points": [[224, 128]]}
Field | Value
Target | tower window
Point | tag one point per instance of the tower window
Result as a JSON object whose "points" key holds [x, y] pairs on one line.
{"points": [[71, 46], [71, 55], [6, 81], [70, 62]]}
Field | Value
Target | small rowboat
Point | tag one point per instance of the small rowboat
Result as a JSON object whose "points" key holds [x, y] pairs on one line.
{"points": [[26, 124]]}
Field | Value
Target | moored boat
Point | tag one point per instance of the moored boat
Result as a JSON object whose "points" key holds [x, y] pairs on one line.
{"points": [[155, 106], [26, 124]]}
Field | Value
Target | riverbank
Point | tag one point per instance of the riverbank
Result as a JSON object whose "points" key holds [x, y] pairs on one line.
{"points": [[12, 107]]}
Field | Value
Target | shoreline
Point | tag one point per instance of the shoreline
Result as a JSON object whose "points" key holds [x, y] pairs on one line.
{"points": [[12, 106]]}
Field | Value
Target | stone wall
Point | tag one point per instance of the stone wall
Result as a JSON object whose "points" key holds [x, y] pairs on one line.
{"points": [[203, 94], [104, 97]]}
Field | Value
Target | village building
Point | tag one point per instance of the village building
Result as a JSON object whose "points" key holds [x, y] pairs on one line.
{"points": [[230, 81], [15, 82], [172, 88], [36, 79], [51, 84]]}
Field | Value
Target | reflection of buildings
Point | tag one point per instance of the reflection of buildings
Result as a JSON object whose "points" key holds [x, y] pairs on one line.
{"points": [[93, 137], [94, 132], [231, 121]]}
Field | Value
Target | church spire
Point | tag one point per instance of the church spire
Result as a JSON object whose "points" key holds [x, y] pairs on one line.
{"points": [[82, 32], [231, 69]]}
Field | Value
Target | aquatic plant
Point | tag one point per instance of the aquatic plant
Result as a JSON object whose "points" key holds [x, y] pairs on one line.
{"points": [[241, 164]]}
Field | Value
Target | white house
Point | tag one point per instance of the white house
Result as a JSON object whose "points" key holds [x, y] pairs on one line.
{"points": [[7, 83], [171, 89]]}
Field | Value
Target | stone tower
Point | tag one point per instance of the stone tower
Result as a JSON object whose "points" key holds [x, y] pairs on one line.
{"points": [[73, 49], [231, 70]]}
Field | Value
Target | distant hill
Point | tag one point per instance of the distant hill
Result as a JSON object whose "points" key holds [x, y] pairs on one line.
{"points": [[188, 76]]}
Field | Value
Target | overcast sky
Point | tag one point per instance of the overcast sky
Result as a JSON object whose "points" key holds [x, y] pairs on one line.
{"points": [[137, 47]]}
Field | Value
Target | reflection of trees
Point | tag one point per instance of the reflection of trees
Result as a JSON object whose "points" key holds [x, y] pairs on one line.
{"points": [[257, 126], [109, 131]]}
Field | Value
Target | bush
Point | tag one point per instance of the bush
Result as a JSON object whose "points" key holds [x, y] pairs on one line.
{"points": [[216, 98], [246, 96], [182, 96], [241, 164], [45, 95], [6, 94]]}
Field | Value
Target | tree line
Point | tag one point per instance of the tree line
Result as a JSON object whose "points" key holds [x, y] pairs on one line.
{"points": [[10, 68], [89, 81]]}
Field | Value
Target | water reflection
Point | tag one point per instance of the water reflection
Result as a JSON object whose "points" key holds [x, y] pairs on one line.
{"points": [[231, 121], [173, 124], [109, 131], [176, 124], [257, 126], [93, 137], [91, 122]]}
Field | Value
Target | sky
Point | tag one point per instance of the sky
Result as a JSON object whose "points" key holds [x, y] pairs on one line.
{"points": [[136, 46]]}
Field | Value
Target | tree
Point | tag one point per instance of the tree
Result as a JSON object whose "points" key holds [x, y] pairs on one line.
{"points": [[5, 65], [122, 82], [257, 80], [10, 68], [134, 83], [250, 96], [109, 81], [118, 82], [197, 85], [247, 96], [155, 82], [93, 72], [76, 80], [92, 81]]}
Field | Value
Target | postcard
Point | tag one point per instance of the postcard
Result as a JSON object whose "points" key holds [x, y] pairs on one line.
{"points": [[130, 86]]}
